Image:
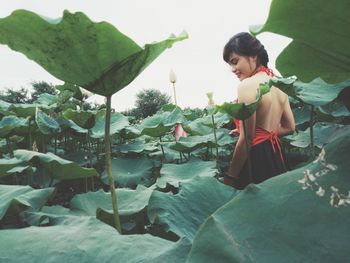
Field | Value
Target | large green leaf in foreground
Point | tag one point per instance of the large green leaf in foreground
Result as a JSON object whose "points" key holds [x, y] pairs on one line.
{"points": [[87, 240], [56, 166], [278, 221], [16, 198], [95, 56], [184, 212], [321, 35]]}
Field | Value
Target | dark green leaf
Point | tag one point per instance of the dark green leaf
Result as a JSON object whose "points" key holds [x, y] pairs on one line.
{"points": [[320, 36], [95, 56], [278, 221]]}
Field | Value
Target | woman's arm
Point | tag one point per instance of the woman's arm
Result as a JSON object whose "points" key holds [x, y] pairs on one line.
{"points": [[246, 94], [287, 123], [240, 154]]}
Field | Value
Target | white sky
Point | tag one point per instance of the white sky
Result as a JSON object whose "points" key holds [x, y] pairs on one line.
{"points": [[196, 61]]}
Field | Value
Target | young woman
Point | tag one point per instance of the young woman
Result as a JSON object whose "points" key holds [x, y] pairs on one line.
{"points": [[248, 60]]}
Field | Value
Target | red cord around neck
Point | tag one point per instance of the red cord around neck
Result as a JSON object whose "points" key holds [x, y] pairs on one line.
{"points": [[268, 71]]}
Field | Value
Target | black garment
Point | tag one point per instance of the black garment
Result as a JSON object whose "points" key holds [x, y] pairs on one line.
{"points": [[265, 164]]}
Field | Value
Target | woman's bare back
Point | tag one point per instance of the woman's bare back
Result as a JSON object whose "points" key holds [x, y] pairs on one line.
{"points": [[273, 112]]}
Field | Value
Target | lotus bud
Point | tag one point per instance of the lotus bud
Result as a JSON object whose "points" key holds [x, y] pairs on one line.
{"points": [[179, 131], [172, 76], [210, 97], [35, 147]]}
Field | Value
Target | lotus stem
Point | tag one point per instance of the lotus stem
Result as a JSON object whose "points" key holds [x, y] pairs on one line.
{"points": [[30, 135], [161, 146], [109, 166], [174, 94], [56, 143], [248, 153], [312, 120], [9, 146], [216, 140]]}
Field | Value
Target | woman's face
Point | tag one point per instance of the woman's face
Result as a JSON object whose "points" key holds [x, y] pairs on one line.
{"points": [[242, 66]]}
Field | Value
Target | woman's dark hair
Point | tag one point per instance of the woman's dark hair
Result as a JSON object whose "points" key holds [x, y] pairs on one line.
{"points": [[245, 44]]}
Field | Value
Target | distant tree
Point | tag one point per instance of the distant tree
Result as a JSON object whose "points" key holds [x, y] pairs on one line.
{"points": [[14, 96], [193, 113], [148, 102], [41, 87]]}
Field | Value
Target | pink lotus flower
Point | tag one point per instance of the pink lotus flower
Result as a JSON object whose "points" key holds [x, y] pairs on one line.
{"points": [[179, 131]]}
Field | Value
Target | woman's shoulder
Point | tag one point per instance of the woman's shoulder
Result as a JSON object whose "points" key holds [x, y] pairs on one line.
{"points": [[247, 90]]}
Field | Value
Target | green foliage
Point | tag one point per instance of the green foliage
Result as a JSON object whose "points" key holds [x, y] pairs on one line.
{"points": [[118, 122], [10, 124], [129, 172], [242, 111], [95, 56], [46, 124], [305, 92], [41, 87], [57, 167], [148, 102], [181, 213], [278, 221], [174, 174], [324, 133], [191, 143], [15, 96], [14, 198], [320, 36], [161, 123]]}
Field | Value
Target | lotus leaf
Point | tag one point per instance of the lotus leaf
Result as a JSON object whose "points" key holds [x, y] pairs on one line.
{"points": [[173, 174], [316, 93], [137, 147], [118, 122], [10, 124], [56, 166], [87, 240], [161, 123], [16, 197], [129, 172], [191, 143], [70, 124], [95, 56], [323, 133], [278, 221], [46, 124], [51, 215], [8, 164], [301, 115], [242, 111], [184, 212], [320, 36], [47, 99], [204, 125], [79, 117]]}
